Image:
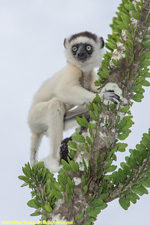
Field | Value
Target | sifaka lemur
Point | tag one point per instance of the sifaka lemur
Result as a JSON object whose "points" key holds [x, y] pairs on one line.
{"points": [[71, 86]]}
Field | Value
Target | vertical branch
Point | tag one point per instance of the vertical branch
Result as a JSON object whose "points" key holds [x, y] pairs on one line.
{"points": [[84, 186]]}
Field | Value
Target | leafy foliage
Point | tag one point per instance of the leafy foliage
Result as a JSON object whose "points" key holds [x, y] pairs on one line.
{"points": [[127, 64]]}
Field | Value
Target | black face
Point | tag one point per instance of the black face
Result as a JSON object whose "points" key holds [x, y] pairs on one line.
{"points": [[82, 51]]}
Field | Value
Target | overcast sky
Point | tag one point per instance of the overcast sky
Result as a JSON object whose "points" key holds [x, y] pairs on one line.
{"points": [[31, 50]]}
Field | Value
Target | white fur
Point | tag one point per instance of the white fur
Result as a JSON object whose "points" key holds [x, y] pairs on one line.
{"points": [[46, 115], [96, 55]]}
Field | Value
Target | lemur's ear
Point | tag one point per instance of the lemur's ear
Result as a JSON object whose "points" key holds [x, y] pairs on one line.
{"points": [[102, 42], [65, 42]]}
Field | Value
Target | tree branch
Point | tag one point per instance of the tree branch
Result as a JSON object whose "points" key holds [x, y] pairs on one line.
{"points": [[89, 181]]}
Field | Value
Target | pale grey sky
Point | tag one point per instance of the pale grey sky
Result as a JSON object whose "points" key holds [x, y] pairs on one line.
{"points": [[31, 50]]}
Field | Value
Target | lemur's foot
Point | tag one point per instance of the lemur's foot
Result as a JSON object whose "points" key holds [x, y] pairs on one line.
{"points": [[52, 164]]}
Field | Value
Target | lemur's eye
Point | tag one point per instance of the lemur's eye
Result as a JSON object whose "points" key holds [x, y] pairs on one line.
{"points": [[88, 48], [74, 48]]}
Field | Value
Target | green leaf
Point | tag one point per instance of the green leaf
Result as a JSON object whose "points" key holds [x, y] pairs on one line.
{"points": [[122, 25], [137, 97], [74, 166], [70, 182], [142, 149], [92, 126], [95, 107], [65, 164], [96, 203], [147, 38], [103, 206], [40, 165], [88, 140], [145, 63], [147, 75], [146, 44], [115, 178], [139, 189], [131, 162], [24, 178], [111, 46], [122, 175], [87, 223], [125, 18], [126, 168], [94, 212], [93, 116], [68, 190], [129, 36], [104, 196], [79, 147], [72, 144], [48, 208], [82, 121], [145, 141], [59, 187], [129, 6], [83, 180], [33, 204], [115, 62], [137, 88], [36, 213], [146, 55], [104, 73], [57, 194], [140, 79], [123, 136], [132, 60], [135, 15], [85, 190], [124, 203], [89, 106], [97, 100], [111, 168], [25, 184], [145, 83], [86, 147], [122, 124], [146, 182], [79, 138], [133, 197], [125, 109], [121, 147], [72, 153], [97, 83], [27, 171], [108, 164], [127, 50], [79, 217]]}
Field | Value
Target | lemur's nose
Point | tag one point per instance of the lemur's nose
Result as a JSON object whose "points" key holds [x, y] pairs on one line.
{"points": [[80, 54]]}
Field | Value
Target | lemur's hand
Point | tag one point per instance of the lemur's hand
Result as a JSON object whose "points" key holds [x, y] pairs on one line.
{"points": [[110, 96]]}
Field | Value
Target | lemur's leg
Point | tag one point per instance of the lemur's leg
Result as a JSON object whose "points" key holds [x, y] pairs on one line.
{"points": [[35, 143], [48, 117]]}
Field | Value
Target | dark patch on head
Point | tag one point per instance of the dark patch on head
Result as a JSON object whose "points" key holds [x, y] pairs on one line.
{"points": [[83, 34], [82, 52]]}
